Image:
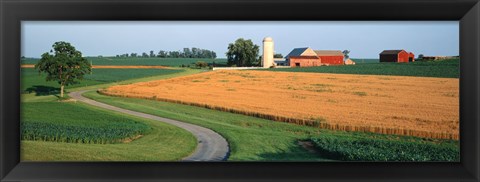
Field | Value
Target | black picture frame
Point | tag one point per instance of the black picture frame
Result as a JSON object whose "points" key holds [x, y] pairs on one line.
{"points": [[12, 12]]}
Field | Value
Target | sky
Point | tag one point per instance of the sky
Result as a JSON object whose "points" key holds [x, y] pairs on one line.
{"points": [[364, 39]]}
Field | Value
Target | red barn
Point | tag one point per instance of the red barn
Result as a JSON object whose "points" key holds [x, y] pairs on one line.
{"points": [[400, 56], [303, 57], [411, 57], [330, 57]]}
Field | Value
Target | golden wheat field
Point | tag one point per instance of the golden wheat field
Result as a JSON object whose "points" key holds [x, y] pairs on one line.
{"points": [[416, 106]]}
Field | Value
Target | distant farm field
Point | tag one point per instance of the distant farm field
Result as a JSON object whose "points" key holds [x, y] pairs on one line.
{"points": [[365, 60], [416, 106], [174, 62], [441, 69], [32, 81], [113, 66]]}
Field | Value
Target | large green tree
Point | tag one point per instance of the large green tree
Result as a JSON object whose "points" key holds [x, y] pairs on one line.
{"points": [[242, 53], [66, 65]]}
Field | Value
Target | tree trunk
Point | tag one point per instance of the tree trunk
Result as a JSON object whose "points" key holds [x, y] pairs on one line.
{"points": [[61, 91]]}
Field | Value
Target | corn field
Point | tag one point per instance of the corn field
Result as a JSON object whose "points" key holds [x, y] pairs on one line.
{"points": [[347, 149], [115, 133]]}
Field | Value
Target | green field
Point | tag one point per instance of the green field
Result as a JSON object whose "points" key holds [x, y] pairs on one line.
{"points": [[59, 131], [442, 69], [32, 81], [374, 149], [365, 60], [163, 142], [89, 126], [250, 138], [255, 139], [174, 62]]}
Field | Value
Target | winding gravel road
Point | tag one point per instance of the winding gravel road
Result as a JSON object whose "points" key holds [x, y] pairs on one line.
{"points": [[211, 146]]}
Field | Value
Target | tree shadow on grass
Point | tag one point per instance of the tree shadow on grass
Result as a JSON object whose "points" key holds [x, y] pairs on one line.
{"points": [[297, 152], [41, 90]]}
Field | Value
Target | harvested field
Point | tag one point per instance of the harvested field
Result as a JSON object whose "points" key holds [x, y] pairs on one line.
{"points": [[112, 67], [414, 106]]}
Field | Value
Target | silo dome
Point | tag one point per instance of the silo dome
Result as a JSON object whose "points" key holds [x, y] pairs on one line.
{"points": [[268, 39]]}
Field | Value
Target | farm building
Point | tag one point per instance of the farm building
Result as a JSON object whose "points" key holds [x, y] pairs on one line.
{"points": [[306, 57], [439, 57], [349, 62], [411, 57], [400, 56], [267, 58], [330, 57], [303, 57], [280, 61]]}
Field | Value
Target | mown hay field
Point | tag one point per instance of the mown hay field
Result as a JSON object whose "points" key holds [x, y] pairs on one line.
{"points": [[414, 106]]}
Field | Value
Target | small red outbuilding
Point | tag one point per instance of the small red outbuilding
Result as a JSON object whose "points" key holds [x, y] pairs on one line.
{"points": [[330, 57], [400, 56], [411, 57]]}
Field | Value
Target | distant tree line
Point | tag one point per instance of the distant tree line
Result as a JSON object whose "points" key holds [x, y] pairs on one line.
{"points": [[186, 53]]}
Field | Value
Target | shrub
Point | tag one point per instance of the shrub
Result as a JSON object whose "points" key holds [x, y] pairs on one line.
{"points": [[201, 64]]}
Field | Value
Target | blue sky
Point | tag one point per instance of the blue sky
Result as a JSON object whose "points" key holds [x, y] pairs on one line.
{"points": [[364, 39]]}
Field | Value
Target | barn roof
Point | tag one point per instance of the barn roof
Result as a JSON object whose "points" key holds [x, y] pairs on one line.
{"points": [[391, 51], [329, 53], [297, 52]]}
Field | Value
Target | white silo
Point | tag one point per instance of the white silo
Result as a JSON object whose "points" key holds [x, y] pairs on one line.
{"points": [[267, 57]]}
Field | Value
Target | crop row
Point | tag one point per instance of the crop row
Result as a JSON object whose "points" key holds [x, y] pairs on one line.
{"points": [[442, 69], [307, 122], [115, 132], [348, 149]]}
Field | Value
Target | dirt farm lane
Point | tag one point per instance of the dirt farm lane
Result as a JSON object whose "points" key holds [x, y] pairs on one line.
{"points": [[210, 147]]}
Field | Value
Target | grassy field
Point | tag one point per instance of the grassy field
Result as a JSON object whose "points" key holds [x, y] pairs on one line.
{"points": [[32, 81], [370, 103], [255, 139], [80, 123], [250, 138], [163, 142], [442, 69], [174, 62]]}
